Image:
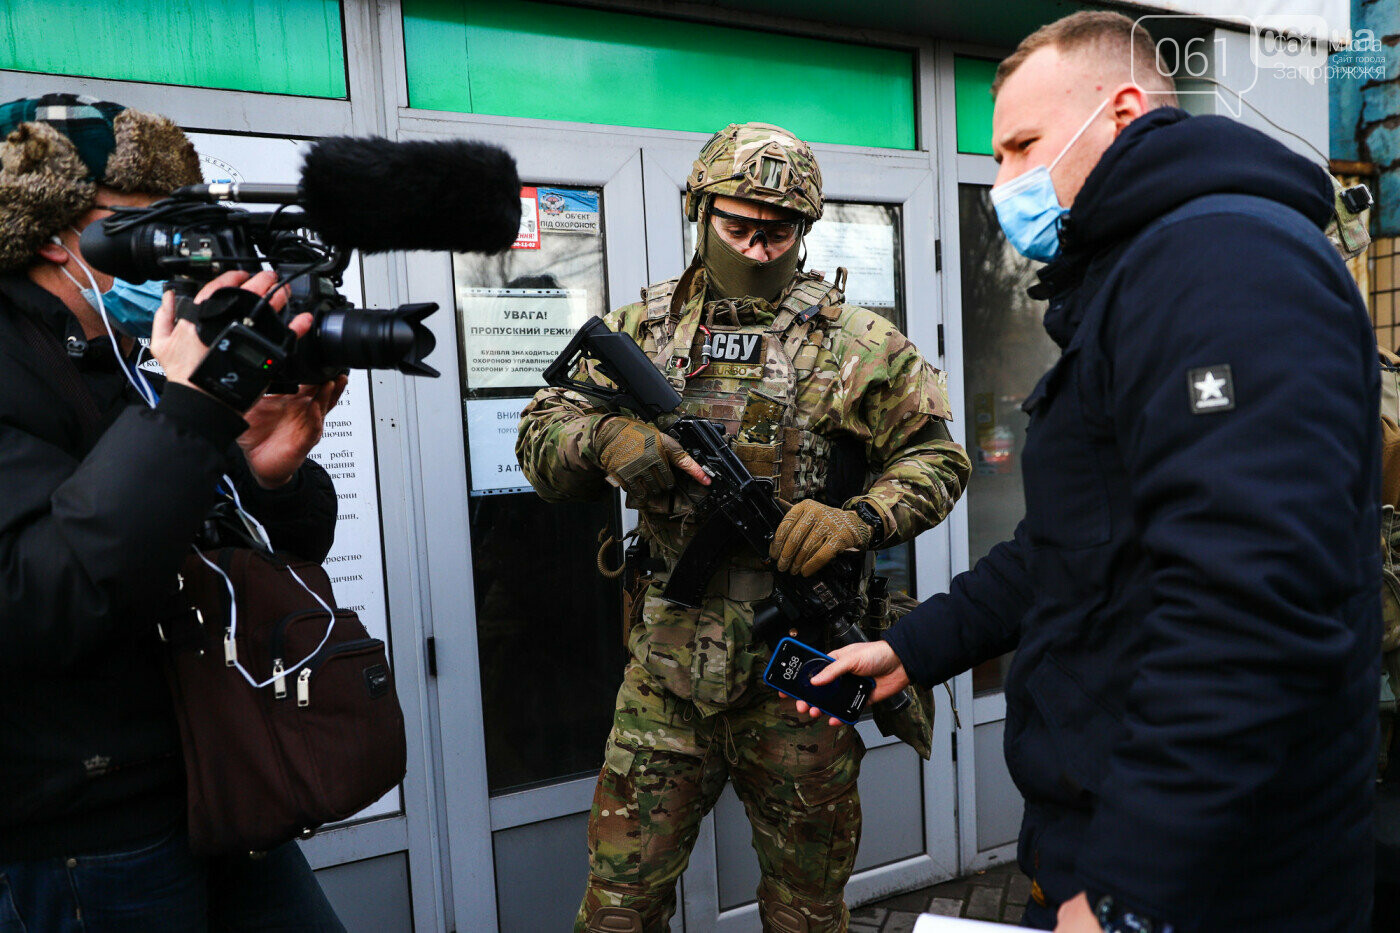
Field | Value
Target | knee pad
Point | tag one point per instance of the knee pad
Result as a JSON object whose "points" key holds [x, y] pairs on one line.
{"points": [[615, 920], [616, 907], [783, 919], [785, 910]]}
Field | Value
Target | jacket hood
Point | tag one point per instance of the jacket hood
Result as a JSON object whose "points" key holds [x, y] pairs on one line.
{"points": [[1166, 158], [1161, 161]]}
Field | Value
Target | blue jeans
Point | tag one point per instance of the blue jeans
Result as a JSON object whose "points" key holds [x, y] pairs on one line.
{"points": [[160, 887]]}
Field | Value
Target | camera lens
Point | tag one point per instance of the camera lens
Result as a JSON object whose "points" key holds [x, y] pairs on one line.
{"points": [[357, 339]]}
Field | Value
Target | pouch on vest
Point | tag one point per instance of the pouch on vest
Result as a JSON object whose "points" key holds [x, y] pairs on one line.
{"points": [[913, 725], [636, 578]]}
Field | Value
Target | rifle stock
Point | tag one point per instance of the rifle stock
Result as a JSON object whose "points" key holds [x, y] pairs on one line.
{"points": [[640, 386]]}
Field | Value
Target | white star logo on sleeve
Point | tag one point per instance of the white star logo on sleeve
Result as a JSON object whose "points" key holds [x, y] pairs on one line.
{"points": [[1212, 389]]}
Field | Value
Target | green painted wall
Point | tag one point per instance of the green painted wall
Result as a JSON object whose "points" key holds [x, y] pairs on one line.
{"points": [[271, 46], [972, 84], [526, 59]]}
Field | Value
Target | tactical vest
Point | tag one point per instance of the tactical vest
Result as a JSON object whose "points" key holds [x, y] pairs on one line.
{"points": [[746, 376]]}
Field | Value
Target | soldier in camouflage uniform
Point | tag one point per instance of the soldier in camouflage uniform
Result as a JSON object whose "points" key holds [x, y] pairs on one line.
{"points": [[835, 405]]}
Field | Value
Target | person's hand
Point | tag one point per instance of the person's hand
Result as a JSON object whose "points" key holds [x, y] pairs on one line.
{"points": [[811, 534], [282, 429], [639, 457], [1077, 917], [175, 343], [869, 659]]}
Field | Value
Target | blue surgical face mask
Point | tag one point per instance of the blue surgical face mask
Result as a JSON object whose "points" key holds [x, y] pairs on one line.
{"points": [[132, 308], [129, 308], [1028, 209]]}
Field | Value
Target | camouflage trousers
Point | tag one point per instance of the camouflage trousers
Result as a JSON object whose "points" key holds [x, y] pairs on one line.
{"points": [[665, 768]]}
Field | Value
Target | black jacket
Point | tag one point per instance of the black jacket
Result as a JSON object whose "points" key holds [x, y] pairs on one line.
{"points": [[91, 537], [1193, 595]]}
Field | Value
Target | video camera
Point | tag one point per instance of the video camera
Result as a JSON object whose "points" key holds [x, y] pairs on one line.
{"points": [[368, 194]]}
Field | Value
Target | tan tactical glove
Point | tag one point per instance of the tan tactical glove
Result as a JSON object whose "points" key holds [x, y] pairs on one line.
{"points": [[811, 534], [639, 456]]}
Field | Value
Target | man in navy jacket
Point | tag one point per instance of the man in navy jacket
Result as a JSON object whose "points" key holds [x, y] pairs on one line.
{"points": [[1193, 592]]}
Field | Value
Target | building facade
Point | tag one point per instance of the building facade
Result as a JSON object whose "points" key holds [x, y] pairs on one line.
{"points": [[504, 637], [1364, 86]]}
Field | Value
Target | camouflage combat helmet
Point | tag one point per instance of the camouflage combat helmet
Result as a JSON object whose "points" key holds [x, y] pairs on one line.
{"points": [[758, 161]]}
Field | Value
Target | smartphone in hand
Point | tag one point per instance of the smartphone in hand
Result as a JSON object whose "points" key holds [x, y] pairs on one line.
{"points": [[791, 671]]}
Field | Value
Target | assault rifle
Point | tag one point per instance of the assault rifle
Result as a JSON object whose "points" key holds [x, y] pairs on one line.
{"points": [[738, 505]]}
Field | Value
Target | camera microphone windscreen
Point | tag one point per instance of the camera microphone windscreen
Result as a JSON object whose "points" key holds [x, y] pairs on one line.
{"points": [[376, 195]]}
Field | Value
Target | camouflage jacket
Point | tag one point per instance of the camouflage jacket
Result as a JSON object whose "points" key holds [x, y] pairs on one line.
{"points": [[858, 379]]}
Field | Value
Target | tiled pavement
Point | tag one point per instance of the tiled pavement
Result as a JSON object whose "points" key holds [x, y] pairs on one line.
{"points": [[997, 894]]}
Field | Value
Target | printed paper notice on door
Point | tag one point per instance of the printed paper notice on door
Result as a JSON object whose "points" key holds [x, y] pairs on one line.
{"points": [[569, 210], [867, 252], [492, 425], [512, 334]]}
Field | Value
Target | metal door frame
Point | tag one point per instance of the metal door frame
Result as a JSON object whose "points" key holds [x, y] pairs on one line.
{"points": [[949, 785], [657, 161], [470, 813], [981, 170], [472, 883]]}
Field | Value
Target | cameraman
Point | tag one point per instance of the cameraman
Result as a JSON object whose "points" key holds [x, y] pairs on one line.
{"points": [[103, 497]]}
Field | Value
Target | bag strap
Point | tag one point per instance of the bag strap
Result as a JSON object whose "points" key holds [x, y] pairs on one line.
{"points": [[68, 381]]}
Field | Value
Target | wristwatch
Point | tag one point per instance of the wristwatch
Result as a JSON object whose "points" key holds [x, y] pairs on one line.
{"points": [[871, 516], [1117, 919]]}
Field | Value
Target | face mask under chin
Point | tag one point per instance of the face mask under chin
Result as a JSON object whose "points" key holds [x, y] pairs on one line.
{"points": [[731, 274]]}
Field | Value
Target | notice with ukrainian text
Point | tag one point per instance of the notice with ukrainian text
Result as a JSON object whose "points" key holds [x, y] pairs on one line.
{"points": [[511, 334], [492, 425]]}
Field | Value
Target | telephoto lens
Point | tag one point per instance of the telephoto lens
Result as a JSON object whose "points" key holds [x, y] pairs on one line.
{"points": [[355, 338]]}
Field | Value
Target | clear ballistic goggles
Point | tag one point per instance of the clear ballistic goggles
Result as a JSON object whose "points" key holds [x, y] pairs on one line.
{"points": [[767, 232]]}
